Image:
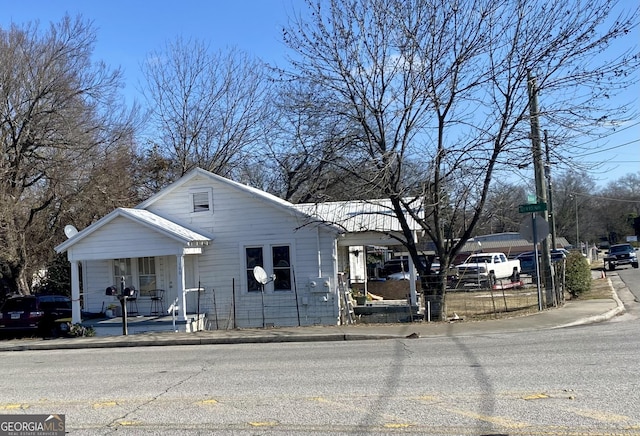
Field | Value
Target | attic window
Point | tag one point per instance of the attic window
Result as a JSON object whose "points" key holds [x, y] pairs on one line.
{"points": [[201, 201]]}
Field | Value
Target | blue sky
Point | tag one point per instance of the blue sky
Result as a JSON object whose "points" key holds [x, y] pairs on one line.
{"points": [[129, 30]]}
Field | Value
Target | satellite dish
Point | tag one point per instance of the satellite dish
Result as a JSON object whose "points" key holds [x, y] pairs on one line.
{"points": [[260, 275], [70, 231]]}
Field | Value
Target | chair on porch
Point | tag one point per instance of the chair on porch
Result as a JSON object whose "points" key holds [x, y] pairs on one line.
{"points": [[157, 302], [132, 302]]}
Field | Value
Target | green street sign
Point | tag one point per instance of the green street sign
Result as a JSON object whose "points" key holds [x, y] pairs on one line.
{"points": [[530, 208], [531, 198]]}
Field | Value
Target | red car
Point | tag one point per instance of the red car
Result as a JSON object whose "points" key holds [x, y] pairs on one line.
{"points": [[41, 314]]}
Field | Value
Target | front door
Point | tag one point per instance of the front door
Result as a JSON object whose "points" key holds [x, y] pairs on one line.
{"points": [[192, 281]]}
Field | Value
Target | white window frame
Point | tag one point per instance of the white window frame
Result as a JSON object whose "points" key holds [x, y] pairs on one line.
{"points": [[134, 278], [145, 261], [288, 267], [248, 269], [267, 259], [129, 278]]}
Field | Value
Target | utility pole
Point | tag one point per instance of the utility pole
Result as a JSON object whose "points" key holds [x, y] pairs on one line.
{"points": [[559, 296], [541, 191], [552, 214]]}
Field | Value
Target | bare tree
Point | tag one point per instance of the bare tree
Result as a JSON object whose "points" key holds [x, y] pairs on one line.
{"points": [[446, 83], [303, 149], [501, 209], [587, 214], [617, 205], [155, 170], [207, 108], [59, 114], [573, 197]]}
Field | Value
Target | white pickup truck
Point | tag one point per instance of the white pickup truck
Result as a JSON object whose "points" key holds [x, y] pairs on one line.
{"points": [[485, 269]]}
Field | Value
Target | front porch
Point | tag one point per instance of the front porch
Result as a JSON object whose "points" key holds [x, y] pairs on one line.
{"points": [[137, 324]]}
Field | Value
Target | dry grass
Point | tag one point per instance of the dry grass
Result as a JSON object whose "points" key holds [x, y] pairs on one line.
{"points": [[481, 304], [599, 289], [484, 304]]}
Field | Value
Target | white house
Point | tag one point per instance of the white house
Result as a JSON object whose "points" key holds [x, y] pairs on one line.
{"points": [[195, 244]]}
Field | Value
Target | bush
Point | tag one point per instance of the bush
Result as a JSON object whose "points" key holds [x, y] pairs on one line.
{"points": [[578, 274], [78, 330]]}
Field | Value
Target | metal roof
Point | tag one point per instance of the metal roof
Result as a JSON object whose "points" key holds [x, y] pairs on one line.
{"points": [[357, 215], [508, 243]]}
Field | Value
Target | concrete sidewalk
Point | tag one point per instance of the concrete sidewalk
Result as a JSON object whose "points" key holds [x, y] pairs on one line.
{"points": [[571, 314]]}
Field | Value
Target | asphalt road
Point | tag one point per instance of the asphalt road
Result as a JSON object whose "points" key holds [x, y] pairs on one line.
{"points": [[631, 278], [573, 381]]}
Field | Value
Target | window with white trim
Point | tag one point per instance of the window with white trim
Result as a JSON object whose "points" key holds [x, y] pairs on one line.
{"points": [[122, 269], [147, 273], [276, 260], [139, 274], [281, 267], [253, 258]]}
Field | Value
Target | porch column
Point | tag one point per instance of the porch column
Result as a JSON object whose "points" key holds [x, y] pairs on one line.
{"points": [[76, 314], [182, 295]]}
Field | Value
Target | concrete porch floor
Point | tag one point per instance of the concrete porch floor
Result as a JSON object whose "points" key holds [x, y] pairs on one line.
{"points": [[144, 324]]}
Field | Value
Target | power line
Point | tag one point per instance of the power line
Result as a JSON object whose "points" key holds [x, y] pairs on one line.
{"points": [[612, 133], [609, 149], [598, 197]]}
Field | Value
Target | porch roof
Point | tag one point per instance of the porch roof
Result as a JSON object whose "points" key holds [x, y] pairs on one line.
{"points": [[148, 219]]}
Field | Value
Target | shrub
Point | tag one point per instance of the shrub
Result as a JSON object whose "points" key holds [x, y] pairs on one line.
{"points": [[78, 330], [578, 274]]}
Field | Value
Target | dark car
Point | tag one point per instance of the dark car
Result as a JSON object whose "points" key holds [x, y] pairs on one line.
{"points": [[527, 264], [40, 314], [395, 266], [398, 268], [621, 254]]}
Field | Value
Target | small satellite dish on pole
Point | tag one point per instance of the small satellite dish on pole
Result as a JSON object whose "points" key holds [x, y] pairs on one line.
{"points": [[70, 230], [260, 275]]}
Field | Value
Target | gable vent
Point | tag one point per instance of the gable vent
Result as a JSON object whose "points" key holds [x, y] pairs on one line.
{"points": [[201, 201]]}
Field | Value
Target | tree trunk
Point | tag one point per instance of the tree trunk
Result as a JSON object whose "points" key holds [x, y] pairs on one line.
{"points": [[433, 291]]}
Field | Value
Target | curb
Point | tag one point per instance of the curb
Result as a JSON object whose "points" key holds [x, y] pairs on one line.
{"points": [[127, 343], [619, 309]]}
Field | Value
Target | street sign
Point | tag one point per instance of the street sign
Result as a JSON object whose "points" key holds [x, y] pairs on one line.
{"points": [[530, 208], [534, 230]]}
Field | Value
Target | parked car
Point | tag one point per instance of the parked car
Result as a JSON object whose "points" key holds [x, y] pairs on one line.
{"points": [[527, 264], [399, 276], [45, 315], [621, 254], [394, 266], [484, 269], [398, 268]]}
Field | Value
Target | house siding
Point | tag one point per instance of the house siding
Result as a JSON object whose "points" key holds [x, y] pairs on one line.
{"points": [[239, 220], [123, 236]]}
